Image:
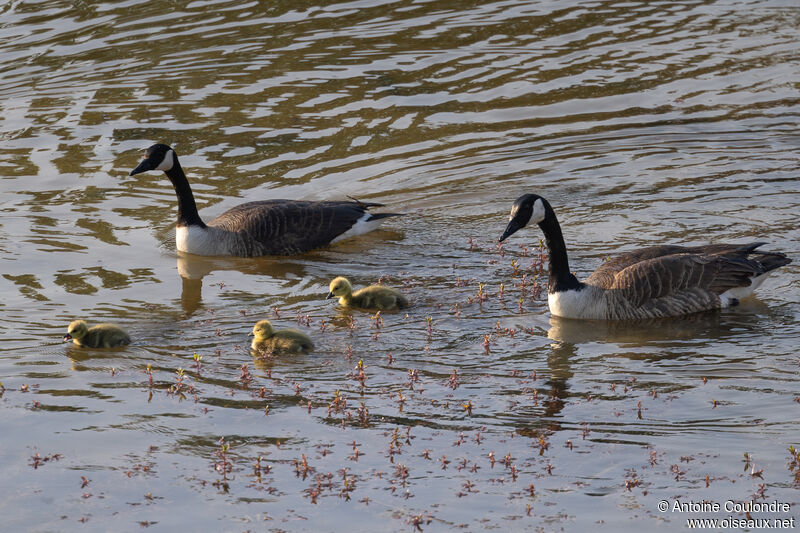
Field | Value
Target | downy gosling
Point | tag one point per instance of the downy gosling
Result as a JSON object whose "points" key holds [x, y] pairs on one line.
{"points": [[652, 282], [270, 227], [99, 336], [268, 341], [373, 297]]}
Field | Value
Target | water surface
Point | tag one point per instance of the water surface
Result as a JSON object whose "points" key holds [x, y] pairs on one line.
{"points": [[641, 122]]}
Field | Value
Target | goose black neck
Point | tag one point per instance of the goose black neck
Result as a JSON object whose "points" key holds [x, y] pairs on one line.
{"points": [[561, 279], [187, 208]]}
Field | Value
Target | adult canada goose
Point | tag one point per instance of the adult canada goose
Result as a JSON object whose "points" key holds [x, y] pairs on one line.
{"points": [[269, 227], [653, 282], [267, 340], [372, 297], [99, 336]]}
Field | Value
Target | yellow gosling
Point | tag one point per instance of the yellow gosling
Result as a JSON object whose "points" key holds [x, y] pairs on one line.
{"points": [[267, 340], [373, 297], [99, 336]]}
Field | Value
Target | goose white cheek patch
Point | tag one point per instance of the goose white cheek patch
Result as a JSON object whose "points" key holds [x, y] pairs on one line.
{"points": [[168, 161], [538, 211]]}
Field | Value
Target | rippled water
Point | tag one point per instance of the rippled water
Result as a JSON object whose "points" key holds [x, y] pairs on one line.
{"points": [[641, 122]]}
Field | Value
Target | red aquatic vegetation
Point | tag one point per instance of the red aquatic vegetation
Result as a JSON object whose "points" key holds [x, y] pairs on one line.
{"points": [[486, 342], [363, 414], [338, 405], [794, 464], [222, 463], [401, 473], [676, 469], [401, 400], [417, 521], [245, 376], [301, 467], [303, 319], [38, 460], [453, 381]]}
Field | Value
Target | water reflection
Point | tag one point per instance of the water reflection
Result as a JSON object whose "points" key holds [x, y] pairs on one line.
{"points": [[83, 359], [697, 327], [633, 333], [284, 272], [196, 267], [191, 295], [559, 361]]}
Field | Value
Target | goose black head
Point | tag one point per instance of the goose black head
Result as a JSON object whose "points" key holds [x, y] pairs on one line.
{"points": [[525, 208], [157, 157]]}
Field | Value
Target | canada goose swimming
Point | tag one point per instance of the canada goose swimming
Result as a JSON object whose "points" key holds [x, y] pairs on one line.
{"points": [[653, 282], [372, 297], [269, 227], [267, 340], [99, 336]]}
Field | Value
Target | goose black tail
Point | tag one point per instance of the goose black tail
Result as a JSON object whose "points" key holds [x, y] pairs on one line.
{"points": [[771, 260], [375, 216], [365, 205]]}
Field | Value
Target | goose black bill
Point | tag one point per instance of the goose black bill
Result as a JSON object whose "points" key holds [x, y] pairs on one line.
{"points": [[512, 227], [144, 166]]}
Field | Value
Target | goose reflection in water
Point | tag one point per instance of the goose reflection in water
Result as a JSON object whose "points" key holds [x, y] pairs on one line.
{"points": [[576, 342], [193, 268], [707, 326], [286, 270]]}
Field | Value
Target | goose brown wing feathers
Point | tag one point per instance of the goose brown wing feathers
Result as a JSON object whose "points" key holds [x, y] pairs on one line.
{"points": [[605, 276], [668, 275], [283, 227]]}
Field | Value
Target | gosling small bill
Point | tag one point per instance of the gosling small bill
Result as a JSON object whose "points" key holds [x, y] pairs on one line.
{"points": [[377, 297], [99, 336], [268, 341]]}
